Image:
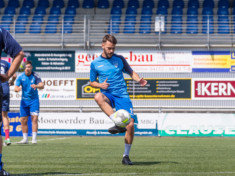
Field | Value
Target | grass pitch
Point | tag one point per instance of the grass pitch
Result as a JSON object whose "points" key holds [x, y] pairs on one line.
{"points": [[102, 156]]}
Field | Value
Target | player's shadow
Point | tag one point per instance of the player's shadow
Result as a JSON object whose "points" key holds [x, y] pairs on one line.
{"points": [[154, 162]]}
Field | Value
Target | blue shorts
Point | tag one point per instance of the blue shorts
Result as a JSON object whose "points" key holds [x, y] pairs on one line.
{"points": [[121, 103], [29, 107], [5, 102]]}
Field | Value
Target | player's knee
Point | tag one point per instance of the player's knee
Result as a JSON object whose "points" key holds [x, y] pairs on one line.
{"points": [[24, 121], [98, 97]]}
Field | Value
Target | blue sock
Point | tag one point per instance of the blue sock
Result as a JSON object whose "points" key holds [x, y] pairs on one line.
{"points": [[1, 162]]}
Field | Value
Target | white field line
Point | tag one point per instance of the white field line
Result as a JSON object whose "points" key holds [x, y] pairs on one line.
{"points": [[53, 139]]}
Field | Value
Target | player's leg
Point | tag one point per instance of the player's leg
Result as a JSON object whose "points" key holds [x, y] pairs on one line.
{"points": [[104, 103], [24, 115], [125, 103], [34, 112], [2, 171], [6, 127]]}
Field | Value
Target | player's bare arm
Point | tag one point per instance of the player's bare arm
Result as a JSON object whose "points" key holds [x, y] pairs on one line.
{"points": [[136, 77], [38, 86], [103, 85]]}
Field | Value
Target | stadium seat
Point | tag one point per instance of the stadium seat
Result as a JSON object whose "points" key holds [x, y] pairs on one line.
{"points": [[52, 19], [131, 11], [223, 4], [28, 4], [115, 19], [35, 28], [51, 28], [222, 11], [163, 3], [55, 11], [58, 3], [178, 3], [113, 28], [68, 28], [25, 11], [133, 3], [193, 4], [207, 11], [13, 3], [7, 19], [118, 3], [162, 11], [69, 19], [70, 11], [22, 19], [10, 11], [147, 11], [73, 3], [6, 26], [40, 11], [88, 4], [192, 11], [37, 19], [177, 11], [130, 19], [116, 11], [20, 28], [43, 3], [2, 3], [148, 4], [145, 28], [223, 25], [129, 28], [207, 25], [103, 4], [176, 25], [208, 4], [192, 25]]}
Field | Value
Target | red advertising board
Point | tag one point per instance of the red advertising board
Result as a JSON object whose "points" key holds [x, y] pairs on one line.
{"points": [[214, 88]]}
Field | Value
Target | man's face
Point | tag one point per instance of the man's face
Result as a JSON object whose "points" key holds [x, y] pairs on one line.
{"points": [[28, 69], [108, 49]]}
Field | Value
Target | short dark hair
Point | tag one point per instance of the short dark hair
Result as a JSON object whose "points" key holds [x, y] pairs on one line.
{"points": [[110, 38], [28, 62]]}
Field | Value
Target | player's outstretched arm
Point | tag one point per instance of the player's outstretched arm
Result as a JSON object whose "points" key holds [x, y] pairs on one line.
{"points": [[103, 85], [136, 77], [38, 86]]}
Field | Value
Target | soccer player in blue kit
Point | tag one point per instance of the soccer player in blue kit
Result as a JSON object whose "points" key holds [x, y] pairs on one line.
{"points": [[10, 46], [6, 99], [29, 82], [109, 68]]}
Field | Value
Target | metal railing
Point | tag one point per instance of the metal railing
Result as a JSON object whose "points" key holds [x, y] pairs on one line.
{"points": [[88, 30]]}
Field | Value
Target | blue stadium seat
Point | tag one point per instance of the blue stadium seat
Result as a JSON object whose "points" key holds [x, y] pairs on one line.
{"points": [[207, 25], [38, 19], [178, 3], [2, 4], [177, 11], [55, 11], [192, 11], [118, 3], [115, 19], [53, 19], [113, 28], [88, 4], [208, 3], [28, 4], [10, 11], [163, 3], [130, 19], [43, 3], [116, 11], [193, 4], [20, 28], [22, 19], [51, 28], [7, 19], [223, 28], [222, 11], [133, 3], [35, 28], [145, 29], [13, 3], [73, 3], [103, 4], [69, 19], [147, 11], [207, 11], [6, 26], [176, 25], [40, 11], [223, 4], [68, 28], [129, 28], [162, 11], [70, 10], [131, 11], [192, 25], [25, 11], [58, 3], [148, 4]]}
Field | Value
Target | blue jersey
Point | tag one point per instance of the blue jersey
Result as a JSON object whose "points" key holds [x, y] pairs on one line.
{"points": [[28, 93], [4, 68], [111, 69], [8, 44]]}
